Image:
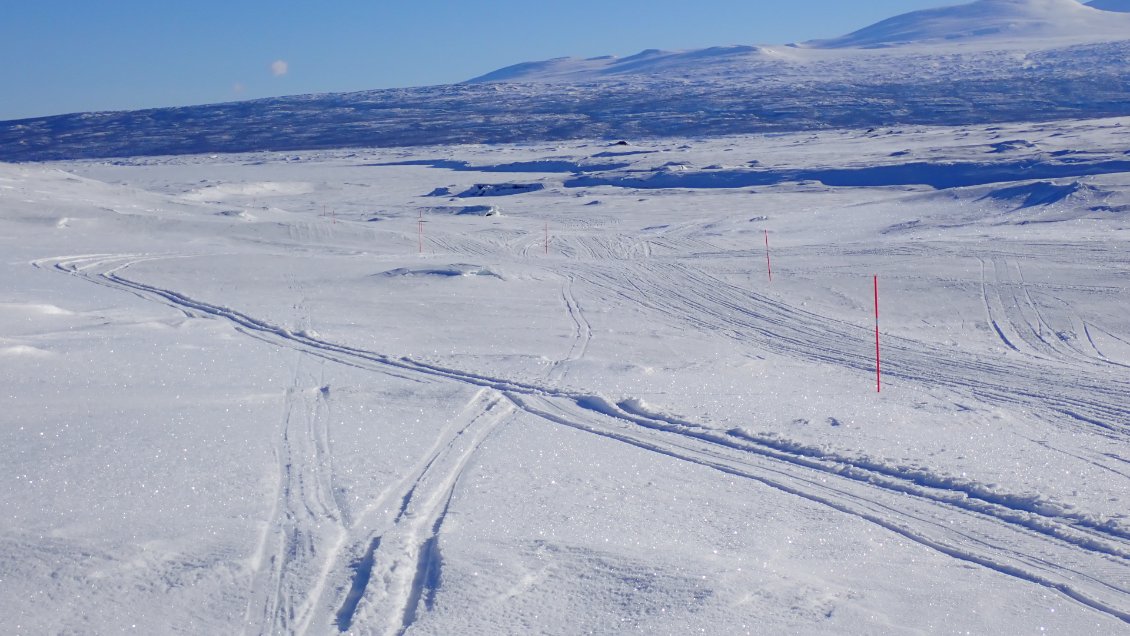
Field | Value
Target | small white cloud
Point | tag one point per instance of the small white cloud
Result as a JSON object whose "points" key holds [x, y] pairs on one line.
{"points": [[279, 68]]}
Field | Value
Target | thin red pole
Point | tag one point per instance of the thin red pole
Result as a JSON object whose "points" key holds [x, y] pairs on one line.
{"points": [[878, 377], [768, 266]]}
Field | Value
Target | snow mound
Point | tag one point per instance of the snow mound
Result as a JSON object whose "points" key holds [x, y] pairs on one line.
{"points": [[254, 189], [24, 351], [43, 309], [1011, 145], [237, 214], [989, 20], [467, 210], [499, 189], [454, 270], [1042, 193]]}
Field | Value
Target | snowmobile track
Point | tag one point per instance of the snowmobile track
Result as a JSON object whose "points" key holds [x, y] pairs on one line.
{"points": [[1085, 561]]}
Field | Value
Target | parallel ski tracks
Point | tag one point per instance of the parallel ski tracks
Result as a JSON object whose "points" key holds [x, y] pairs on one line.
{"points": [[1086, 393], [582, 332], [396, 579], [1084, 560], [1011, 297], [1100, 580], [307, 520]]}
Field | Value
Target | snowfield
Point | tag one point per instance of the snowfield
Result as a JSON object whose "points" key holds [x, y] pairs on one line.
{"points": [[549, 388], [454, 360]]}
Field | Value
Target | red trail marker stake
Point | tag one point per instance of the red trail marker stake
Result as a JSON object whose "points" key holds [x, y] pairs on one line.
{"points": [[878, 385], [768, 266]]}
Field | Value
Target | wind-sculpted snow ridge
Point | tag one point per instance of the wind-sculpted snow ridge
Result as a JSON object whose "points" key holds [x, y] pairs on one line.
{"points": [[742, 91], [545, 165], [452, 271]]}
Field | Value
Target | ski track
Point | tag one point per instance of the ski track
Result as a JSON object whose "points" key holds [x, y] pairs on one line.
{"points": [[1004, 548], [403, 568], [1084, 559], [582, 333], [307, 518], [989, 313], [1090, 338], [1077, 393]]}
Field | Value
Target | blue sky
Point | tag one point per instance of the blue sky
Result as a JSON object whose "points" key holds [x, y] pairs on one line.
{"points": [[62, 56]]}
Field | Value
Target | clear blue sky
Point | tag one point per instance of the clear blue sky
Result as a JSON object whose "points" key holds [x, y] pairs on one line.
{"points": [[63, 56]]}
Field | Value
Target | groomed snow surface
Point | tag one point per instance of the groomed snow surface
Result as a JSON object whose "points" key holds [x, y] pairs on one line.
{"points": [[294, 393]]}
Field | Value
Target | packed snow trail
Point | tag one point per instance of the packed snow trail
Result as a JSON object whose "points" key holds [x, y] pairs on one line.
{"points": [[1082, 558], [1062, 390], [307, 521], [403, 567]]}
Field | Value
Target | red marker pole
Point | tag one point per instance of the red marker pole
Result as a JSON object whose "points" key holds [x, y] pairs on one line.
{"points": [[768, 266], [878, 377]]}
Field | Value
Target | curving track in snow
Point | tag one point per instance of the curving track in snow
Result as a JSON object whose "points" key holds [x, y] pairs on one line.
{"points": [[1059, 385], [394, 569]]}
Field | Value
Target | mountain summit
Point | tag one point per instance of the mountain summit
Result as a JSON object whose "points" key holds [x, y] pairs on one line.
{"points": [[996, 22]]}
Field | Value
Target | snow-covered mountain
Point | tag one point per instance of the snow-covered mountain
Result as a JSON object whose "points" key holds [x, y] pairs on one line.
{"points": [[980, 62], [992, 24], [981, 27], [714, 61]]}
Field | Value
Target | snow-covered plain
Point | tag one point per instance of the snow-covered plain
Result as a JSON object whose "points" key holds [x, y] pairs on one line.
{"points": [[550, 388]]}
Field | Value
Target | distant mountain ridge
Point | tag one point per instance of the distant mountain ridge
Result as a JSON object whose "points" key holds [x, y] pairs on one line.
{"points": [[982, 62], [1029, 25], [650, 61]]}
